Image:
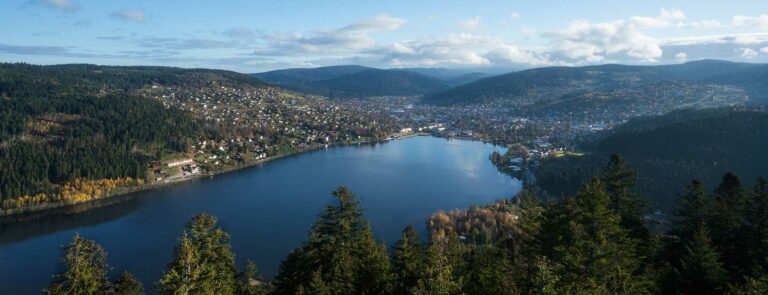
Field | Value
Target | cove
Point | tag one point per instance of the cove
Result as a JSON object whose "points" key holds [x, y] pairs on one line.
{"points": [[266, 209]]}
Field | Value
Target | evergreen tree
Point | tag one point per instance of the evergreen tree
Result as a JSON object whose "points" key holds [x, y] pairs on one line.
{"points": [[438, 276], [408, 261], [186, 273], [524, 249], [342, 251], [128, 284], [317, 286], [597, 254], [251, 282], [757, 222], [694, 208], [488, 271], [86, 269], [204, 262], [619, 180], [752, 286], [700, 270], [545, 280], [292, 274], [454, 251], [374, 270], [727, 224]]}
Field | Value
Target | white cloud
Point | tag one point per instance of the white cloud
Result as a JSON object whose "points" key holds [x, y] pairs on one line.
{"points": [[462, 50], [593, 42], [747, 53], [345, 40], [760, 21], [514, 55], [130, 15], [63, 5], [378, 23], [580, 42], [672, 14], [470, 23], [702, 24], [454, 49], [628, 40], [743, 39], [243, 33], [666, 18]]}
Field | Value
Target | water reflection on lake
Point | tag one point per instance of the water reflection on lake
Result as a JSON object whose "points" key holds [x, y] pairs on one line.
{"points": [[267, 209]]}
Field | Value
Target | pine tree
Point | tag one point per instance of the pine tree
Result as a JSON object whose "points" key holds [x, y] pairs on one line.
{"points": [[342, 250], [374, 270], [438, 276], [757, 222], [293, 273], [186, 273], [488, 271], [408, 261], [727, 224], [317, 286], [128, 284], [545, 280], [694, 208], [204, 262], [251, 282], [752, 286], [597, 254], [619, 180], [700, 270], [86, 269], [525, 247]]}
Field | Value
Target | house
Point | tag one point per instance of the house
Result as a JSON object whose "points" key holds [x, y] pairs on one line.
{"points": [[180, 163]]}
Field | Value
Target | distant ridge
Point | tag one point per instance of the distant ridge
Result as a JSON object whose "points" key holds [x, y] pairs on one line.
{"points": [[359, 81], [753, 77]]}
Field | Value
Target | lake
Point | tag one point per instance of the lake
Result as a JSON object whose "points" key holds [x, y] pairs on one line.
{"points": [[267, 209]]}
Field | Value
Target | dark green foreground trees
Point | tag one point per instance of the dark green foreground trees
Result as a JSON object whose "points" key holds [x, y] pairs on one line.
{"points": [[597, 241], [86, 264]]}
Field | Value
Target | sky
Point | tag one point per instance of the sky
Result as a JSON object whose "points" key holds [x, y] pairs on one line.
{"points": [[255, 36]]}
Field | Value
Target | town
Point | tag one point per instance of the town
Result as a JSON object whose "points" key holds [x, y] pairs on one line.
{"points": [[255, 124]]}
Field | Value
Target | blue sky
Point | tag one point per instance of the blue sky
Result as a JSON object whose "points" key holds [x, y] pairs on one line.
{"points": [[252, 36]]}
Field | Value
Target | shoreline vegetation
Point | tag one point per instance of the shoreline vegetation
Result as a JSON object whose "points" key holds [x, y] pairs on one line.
{"points": [[144, 186]]}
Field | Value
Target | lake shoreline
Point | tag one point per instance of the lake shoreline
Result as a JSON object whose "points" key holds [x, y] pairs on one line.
{"points": [[266, 210], [41, 209]]}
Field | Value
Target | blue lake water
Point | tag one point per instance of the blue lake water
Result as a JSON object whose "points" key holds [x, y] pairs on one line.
{"points": [[267, 209]]}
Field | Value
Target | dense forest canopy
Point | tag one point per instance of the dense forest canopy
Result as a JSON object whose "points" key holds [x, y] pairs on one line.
{"points": [[669, 150], [595, 241], [61, 123]]}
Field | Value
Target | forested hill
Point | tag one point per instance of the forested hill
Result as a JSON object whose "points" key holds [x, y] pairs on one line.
{"points": [[355, 81], [670, 150], [68, 122], [753, 78]]}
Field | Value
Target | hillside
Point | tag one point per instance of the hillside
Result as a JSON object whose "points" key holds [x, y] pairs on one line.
{"points": [[291, 78], [62, 123], [354, 81], [670, 150], [559, 81]]}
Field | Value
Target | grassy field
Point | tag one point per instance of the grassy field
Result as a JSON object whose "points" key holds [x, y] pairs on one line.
{"points": [[560, 154]]}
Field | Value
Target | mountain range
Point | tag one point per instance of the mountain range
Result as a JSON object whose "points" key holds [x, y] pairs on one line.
{"points": [[441, 86], [351, 81], [753, 78]]}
